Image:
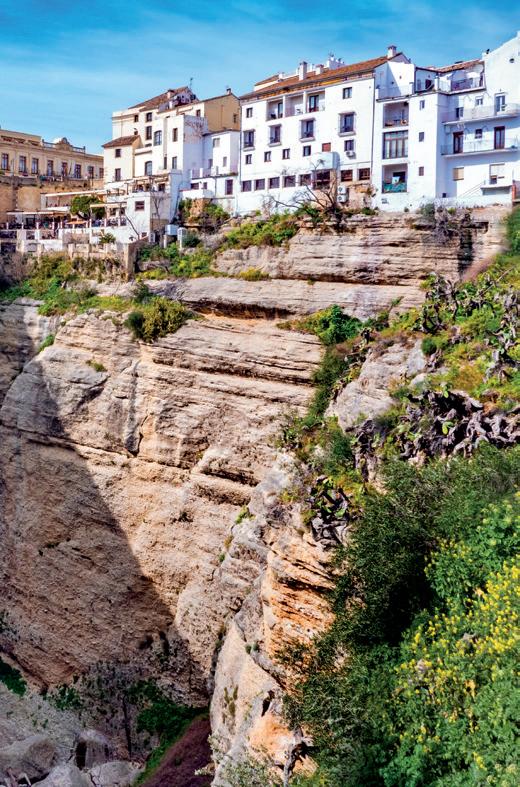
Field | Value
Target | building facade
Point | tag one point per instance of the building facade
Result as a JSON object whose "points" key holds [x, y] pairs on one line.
{"points": [[28, 155]]}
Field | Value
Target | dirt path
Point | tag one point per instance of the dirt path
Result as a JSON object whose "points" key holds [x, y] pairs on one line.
{"points": [[187, 755]]}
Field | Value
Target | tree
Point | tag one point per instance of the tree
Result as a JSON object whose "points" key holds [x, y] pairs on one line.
{"points": [[81, 205]]}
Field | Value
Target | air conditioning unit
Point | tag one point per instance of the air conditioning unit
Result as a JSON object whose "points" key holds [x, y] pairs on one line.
{"points": [[343, 198], [351, 153], [342, 189]]}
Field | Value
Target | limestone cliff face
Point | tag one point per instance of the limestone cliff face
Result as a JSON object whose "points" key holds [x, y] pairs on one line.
{"points": [[124, 468]]}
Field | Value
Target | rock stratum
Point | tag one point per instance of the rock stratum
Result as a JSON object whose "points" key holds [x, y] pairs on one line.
{"points": [[126, 470]]}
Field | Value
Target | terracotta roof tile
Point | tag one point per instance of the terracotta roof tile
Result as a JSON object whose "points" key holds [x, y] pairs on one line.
{"points": [[327, 75], [156, 101], [121, 142]]}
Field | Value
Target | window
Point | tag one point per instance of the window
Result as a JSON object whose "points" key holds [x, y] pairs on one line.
{"points": [[346, 175], [90, 170], [197, 113], [458, 173], [326, 147], [260, 184], [229, 188], [306, 151], [249, 112], [64, 168], [459, 112], [148, 132], [249, 139], [322, 177], [307, 129], [267, 155], [395, 144], [496, 171], [246, 185], [194, 186], [50, 167], [235, 117], [216, 142], [148, 117], [77, 170], [148, 168], [139, 205], [346, 123], [210, 163], [174, 162], [305, 179], [479, 101], [249, 159], [136, 118], [421, 171], [117, 174], [35, 166], [117, 152], [275, 135], [274, 183], [5, 163], [175, 134], [22, 164], [349, 145], [101, 172], [421, 136], [499, 138], [224, 161], [422, 103], [364, 173], [289, 181], [286, 153], [347, 92], [157, 138], [500, 103], [313, 103], [165, 162], [478, 133]]}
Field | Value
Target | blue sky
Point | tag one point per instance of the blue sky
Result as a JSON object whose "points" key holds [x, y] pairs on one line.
{"points": [[66, 64]]}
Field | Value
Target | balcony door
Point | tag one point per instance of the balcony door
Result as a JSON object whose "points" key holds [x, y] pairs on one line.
{"points": [[500, 103], [458, 142], [500, 138]]}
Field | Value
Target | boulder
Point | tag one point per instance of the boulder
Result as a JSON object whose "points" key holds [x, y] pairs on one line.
{"points": [[33, 756], [119, 773], [68, 775]]}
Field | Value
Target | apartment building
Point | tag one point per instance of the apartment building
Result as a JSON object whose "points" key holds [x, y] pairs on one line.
{"points": [[167, 148], [29, 155], [449, 134], [306, 129]]}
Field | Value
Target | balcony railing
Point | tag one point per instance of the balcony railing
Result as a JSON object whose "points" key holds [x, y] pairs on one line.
{"points": [[480, 146], [396, 121], [62, 146], [394, 188], [395, 92], [467, 84], [481, 113]]}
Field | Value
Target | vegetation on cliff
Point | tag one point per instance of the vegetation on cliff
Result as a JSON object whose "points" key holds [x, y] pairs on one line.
{"points": [[415, 681]]}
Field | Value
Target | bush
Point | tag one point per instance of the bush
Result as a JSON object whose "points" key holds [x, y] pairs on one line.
{"points": [[253, 274], [275, 231], [157, 318], [12, 678], [331, 325]]}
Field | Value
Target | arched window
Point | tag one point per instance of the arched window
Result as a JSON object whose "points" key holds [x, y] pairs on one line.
{"points": [[148, 168]]}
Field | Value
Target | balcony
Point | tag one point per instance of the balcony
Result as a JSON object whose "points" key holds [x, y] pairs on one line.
{"points": [[482, 113], [394, 188], [394, 92], [468, 83], [480, 146]]}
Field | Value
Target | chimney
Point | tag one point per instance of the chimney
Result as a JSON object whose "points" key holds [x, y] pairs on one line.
{"points": [[228, 91], [302, 70], [392, 51]]}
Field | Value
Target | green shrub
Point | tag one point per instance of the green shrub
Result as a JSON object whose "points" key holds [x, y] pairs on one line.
{"points": [[275, 231], [12, 678], [47, 342], [331, 325], [157, 318], [253, 274], [197, 263]]}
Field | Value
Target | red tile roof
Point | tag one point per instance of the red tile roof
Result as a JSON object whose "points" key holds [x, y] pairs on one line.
{"points": [[464, 64], [327, 75], [156, 101], [121, 142]]}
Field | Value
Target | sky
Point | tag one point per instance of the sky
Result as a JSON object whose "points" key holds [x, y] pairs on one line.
{"points": [[65, 65]]}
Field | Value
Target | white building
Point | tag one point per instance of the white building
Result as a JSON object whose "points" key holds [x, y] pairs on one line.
{"points": [[167, 148], [306, 128], [450, 134]]}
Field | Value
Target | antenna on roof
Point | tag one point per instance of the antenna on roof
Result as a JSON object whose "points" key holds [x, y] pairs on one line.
{"points": [[191, 84]]}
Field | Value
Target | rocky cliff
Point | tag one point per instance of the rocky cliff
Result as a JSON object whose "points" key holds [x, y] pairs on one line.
{"points": [[140, 484]]}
